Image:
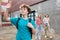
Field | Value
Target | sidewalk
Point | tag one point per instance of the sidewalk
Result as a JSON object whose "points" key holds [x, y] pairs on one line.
{"points": [[9, 33]]}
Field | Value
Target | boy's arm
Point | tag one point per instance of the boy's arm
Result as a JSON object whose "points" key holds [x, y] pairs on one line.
{"points": [[31, 26]]}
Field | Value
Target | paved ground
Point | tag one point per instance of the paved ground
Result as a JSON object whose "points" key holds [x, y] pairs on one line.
{"points": [[8, 33]]}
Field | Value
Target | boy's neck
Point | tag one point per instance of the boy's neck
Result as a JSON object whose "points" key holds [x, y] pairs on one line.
{"points": [[25, 16]]}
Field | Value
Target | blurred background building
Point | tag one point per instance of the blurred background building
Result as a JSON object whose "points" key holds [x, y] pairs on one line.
{"points": [[52, 7], [13, 6]]}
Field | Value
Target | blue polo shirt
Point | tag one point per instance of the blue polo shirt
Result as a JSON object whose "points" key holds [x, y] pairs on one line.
{"points": [[23, 32]]}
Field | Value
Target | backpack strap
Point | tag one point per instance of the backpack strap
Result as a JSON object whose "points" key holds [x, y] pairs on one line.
{"points": [[30, 30], [17, 23], [30, 20]]}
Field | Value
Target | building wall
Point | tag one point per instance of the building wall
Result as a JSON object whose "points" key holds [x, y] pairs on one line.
{"points": [[51, 8]]}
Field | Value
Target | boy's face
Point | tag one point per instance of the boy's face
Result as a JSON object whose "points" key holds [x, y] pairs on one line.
{"points": [[24, 11]]}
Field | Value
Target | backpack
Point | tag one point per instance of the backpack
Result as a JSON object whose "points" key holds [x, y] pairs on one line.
{"points": [[30, 30]]}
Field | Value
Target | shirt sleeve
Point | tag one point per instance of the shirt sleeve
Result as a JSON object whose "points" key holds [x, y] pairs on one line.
{"points": [[33, 23], [13, 21]]}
